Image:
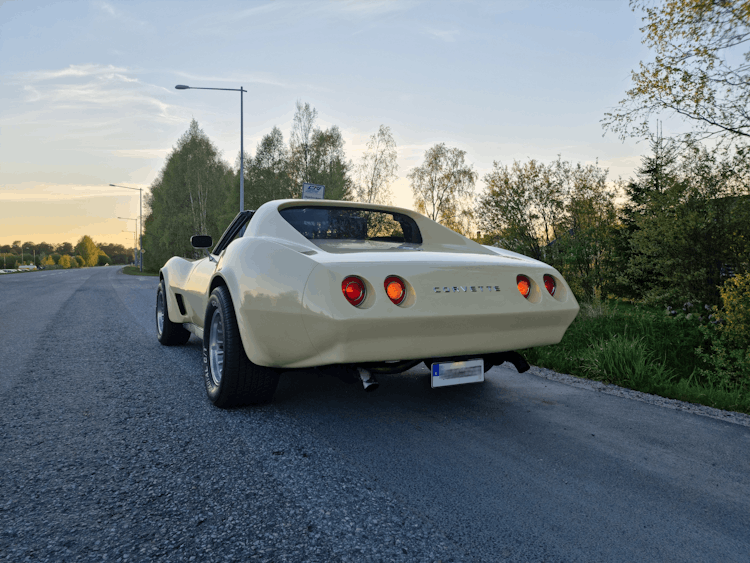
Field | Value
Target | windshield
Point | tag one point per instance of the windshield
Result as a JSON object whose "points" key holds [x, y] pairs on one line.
{"points": [[347, 223]]}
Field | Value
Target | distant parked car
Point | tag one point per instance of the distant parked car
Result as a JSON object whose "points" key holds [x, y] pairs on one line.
{"points": [[356, 288]]}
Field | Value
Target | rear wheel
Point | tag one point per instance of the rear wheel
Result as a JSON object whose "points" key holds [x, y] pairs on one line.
{"points": [[168, 333], [232, 380]]}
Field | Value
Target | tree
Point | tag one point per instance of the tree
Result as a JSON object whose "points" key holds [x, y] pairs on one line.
{"points": [[582, 250], [64, 248], [268, 174], [378, 168], [443, 185], [188, 197], [328, 165], [88, 251], [64, 261], [561, 213], [694, 232], [699, 71], [521, 206], [303, 128], [117, 252]]}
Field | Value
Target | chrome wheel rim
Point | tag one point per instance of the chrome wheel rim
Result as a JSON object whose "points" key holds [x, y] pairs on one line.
{"points": [[160, 312], [216, 347]]}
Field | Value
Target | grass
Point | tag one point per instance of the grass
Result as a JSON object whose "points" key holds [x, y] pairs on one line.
{"points": [[639, 348], [135, 271]]}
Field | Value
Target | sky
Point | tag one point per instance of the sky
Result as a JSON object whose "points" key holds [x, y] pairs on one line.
{"points": [[87, 95]]}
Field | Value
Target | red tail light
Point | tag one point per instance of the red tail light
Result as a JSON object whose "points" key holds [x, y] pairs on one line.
{"points": [[549, 283], [354, 290], [395, 288], [524, 285]]}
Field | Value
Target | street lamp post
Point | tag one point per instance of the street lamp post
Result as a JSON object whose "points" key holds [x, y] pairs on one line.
{"points": [[140, 206], [135, 232], [241, 90]]}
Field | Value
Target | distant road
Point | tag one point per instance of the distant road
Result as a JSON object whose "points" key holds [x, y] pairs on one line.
{"points": [[108, 446]]}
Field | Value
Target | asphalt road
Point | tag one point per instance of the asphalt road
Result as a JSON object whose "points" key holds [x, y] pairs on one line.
{"points": [[110, 451]]}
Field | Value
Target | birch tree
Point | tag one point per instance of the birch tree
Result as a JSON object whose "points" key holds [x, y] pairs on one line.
{"points": [[444, 185], [378, 168]]}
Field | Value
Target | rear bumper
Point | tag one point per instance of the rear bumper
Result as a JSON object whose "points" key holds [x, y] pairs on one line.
{"points": [[386, 339]]}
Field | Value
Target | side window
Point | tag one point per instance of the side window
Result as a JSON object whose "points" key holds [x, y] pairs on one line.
{"points": [[239, 233], [235, 230]]}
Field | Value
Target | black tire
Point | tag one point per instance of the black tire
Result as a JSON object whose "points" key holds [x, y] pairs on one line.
{"points": [[168, 333], [232, 380]]}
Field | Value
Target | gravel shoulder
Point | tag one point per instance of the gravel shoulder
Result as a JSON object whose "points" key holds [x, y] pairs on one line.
{"points": [[598, 386]]}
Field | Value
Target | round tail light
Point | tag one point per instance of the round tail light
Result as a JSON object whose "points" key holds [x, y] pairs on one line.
{"points": [[395, 289], [354, 290], [524, 285], [549, 283]]}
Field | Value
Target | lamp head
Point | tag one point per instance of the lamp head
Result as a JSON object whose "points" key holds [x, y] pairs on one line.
{"points": [[182, 87]]}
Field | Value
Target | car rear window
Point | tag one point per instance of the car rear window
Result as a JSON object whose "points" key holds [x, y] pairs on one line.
{"points": [[341, 223]]}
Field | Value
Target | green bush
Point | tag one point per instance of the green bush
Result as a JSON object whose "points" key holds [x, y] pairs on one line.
{"points": [[735, 313], [728, 356]]}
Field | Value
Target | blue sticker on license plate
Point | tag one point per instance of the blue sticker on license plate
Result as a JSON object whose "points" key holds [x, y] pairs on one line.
{"points": [[457, 373]]}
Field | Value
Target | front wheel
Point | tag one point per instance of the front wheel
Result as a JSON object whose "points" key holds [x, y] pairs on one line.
{"points": [[232, 380]]}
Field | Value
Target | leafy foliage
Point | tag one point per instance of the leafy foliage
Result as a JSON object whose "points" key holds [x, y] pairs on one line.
{"points": [[443, 187], [699, 71], [88, 251], [187, 198], [687, 224], [560, 213]]}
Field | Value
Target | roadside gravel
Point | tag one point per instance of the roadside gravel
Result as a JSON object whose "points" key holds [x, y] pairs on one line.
{"points": [[582, 383]]}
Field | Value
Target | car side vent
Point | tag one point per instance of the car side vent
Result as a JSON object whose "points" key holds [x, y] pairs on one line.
{"points": [[180, 304]]}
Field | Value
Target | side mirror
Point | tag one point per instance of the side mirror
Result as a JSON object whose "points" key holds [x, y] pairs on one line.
{"points": [[201, 242]]}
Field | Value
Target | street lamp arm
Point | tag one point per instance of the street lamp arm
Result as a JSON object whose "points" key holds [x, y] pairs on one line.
{"points": [[183, 87], [126, 187]]}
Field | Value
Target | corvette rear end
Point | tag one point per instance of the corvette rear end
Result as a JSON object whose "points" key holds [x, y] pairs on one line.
{"points": [[354, 288], [445, 306]]}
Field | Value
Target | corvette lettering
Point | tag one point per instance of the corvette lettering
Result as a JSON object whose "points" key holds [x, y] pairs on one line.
{"points": [[466, 289]]}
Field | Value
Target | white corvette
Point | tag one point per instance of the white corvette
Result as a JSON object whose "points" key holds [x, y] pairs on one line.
{"points": [[354, 289]]}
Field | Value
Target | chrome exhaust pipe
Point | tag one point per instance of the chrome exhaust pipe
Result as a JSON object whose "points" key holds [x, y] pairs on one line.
{"points": [[368, 380]]}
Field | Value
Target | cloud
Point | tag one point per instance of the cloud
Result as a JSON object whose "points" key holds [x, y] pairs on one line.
{"points": [[368, 8], [447, 35], [113, 13], [94, 86], [71, 71]]}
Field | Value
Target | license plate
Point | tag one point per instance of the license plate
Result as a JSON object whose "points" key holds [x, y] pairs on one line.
{"points": [[457, 373]]}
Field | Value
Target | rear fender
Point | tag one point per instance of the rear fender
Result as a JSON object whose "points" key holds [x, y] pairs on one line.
{"points": [[266, 281]]}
